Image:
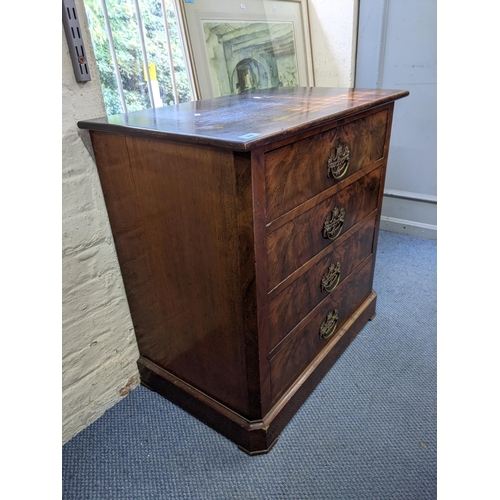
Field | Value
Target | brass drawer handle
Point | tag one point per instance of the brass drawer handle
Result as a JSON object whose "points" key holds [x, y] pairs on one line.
{"points": [[333, 223], [328, 326], [331, 279], [338, 161]]}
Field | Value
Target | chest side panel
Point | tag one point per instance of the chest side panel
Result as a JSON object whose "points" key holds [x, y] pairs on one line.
{"points": [[174, 214]]}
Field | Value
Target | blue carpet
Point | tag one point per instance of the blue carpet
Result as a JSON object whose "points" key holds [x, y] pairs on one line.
{"points": [[367, 432]]}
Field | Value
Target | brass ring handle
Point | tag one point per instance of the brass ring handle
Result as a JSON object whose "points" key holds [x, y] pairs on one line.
{"points": [[331, 279], [333, 223], [328, 326], [338, 161]]}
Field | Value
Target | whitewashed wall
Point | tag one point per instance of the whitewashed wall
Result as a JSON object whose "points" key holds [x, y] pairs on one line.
{"points": [[99, 348], [333, 26]]}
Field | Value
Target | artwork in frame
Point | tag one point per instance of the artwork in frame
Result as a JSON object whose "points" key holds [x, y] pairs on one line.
{"points": [[234, 49], [252, 55]]}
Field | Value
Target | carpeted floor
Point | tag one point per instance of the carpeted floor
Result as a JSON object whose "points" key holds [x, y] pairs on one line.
{"points": [[367, 432]]}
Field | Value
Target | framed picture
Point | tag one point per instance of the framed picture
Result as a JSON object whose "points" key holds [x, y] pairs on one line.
{"points": [[238, 46]]}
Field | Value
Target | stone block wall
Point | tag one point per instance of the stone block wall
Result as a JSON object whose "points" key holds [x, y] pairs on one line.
{"points": [[98, 342]]}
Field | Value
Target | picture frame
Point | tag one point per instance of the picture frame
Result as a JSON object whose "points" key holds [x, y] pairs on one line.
{"points": [[239, 46]]}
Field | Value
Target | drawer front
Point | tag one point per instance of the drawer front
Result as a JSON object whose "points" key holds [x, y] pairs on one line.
{"points": [[298, 172], [294, 243], [296, 301], [305, 341]]}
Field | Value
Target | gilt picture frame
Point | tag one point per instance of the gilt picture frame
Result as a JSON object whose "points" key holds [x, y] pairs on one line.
{"points": [[234, 47]]}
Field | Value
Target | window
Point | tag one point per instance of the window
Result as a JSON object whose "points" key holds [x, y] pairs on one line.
{"points": [[130, 35]]}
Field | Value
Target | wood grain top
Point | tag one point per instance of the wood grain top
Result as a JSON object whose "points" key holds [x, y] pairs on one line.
{"points": [[244, 121]]}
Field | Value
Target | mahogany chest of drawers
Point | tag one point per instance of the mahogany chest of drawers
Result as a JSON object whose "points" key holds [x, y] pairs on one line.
{"points": [[246, 230]]}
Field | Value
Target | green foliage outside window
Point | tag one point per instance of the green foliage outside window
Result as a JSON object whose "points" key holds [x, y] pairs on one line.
{"points": [[128, 49]]}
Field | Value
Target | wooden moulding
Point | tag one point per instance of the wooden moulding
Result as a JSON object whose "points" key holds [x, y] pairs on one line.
{"points": [[257, 436]]}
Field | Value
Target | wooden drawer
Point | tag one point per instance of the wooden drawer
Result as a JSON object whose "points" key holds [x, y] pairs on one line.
{"points": [[298, 172], [305, 343], [296, 299], [293, 244]]}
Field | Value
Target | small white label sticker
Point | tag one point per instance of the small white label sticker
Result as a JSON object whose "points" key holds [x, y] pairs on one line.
{"points": [[251, 135]]}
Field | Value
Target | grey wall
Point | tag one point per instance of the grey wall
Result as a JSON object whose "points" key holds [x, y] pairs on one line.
{"points": [[397, 50]]}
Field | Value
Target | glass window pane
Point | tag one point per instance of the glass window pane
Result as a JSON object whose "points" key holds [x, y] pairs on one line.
{"points": [[128, 50]]}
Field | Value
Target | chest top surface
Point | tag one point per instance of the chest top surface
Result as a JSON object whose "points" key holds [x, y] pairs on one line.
{"points": [[244, 121]]}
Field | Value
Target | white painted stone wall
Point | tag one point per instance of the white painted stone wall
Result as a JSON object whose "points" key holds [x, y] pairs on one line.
{"points": [[98, 343], [333, 26]]}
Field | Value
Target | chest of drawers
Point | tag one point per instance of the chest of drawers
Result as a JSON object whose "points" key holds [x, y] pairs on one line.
{"points": [[246, 231]]}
